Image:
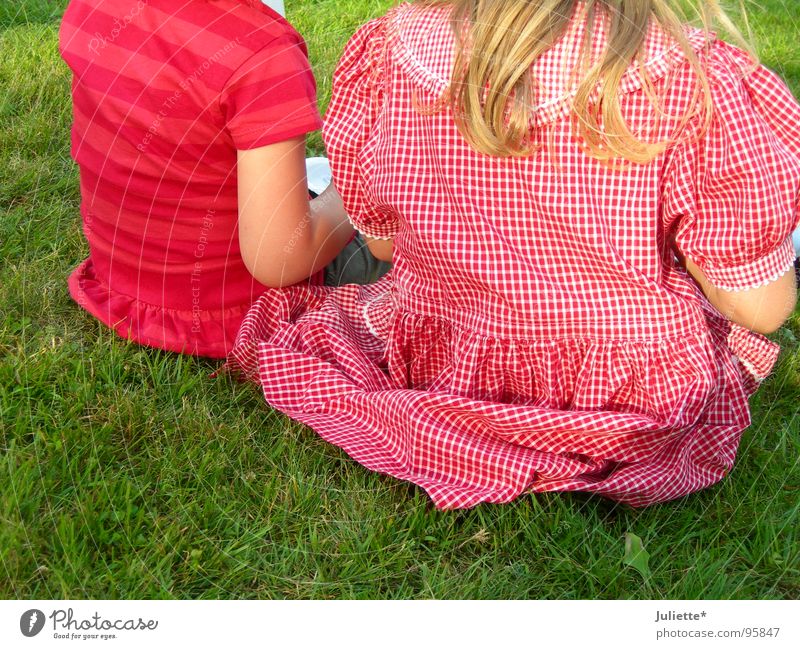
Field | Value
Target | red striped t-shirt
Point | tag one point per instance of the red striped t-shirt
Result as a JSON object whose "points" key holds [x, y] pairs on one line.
{"points": [[164, 93]]}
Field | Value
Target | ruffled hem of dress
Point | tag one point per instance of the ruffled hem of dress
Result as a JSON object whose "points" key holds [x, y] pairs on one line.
{"points": [[155, 325], [447, 409], [588, 374]]}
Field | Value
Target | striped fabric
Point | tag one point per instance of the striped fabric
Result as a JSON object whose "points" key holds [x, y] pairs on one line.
{"points": [[537, 333], [164, 93]]}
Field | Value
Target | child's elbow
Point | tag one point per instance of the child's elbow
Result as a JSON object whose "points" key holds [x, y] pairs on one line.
{"points": [[764, 310], [777, 318], [271, 275], [272, 281]]}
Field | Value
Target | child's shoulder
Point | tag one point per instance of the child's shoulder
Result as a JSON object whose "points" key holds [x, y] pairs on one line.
{"points": [[255, 20], [249, 36], [417, 38]]}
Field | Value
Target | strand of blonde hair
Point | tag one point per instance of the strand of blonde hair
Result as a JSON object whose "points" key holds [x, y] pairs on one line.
{"points": [[493, 95]]}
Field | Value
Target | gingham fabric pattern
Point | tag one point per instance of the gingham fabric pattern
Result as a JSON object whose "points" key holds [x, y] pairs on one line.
{"points": [[537, 332]]}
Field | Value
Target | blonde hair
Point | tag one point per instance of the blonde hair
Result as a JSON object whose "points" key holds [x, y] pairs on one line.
{"points": [[493, 95]]}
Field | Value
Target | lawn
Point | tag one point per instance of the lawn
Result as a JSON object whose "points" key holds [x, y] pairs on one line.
{"points": [[130, 473]]}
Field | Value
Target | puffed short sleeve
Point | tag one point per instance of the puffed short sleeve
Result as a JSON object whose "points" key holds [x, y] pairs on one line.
{"points": [[731, 197], [272, 96], [357, 98]]}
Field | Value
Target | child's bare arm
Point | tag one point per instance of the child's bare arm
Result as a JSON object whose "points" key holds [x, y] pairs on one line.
{"points": [[762, 309], [283, 237]]}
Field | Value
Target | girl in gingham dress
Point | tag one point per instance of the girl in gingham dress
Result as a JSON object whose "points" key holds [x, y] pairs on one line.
{"points": [[589, 210]]}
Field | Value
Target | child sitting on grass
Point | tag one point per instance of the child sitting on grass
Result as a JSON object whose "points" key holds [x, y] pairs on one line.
{"points": [[189, 127], [589, 209]]}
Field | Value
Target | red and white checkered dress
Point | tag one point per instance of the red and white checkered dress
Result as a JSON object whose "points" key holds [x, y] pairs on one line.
{"points": [[536, 333]]}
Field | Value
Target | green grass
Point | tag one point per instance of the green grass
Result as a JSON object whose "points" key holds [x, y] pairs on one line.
{"points": [[129, 472]]}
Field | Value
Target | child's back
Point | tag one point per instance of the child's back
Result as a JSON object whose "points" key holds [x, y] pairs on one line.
{"points": [[538, 330], [164, 95]]}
